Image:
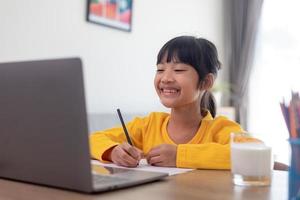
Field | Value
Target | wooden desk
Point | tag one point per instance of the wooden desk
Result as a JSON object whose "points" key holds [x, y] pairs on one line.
{"points": [[198, 184]]}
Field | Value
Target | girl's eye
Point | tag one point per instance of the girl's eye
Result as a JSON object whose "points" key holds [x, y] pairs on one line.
{"points": [[159, 70], [179, 70]]}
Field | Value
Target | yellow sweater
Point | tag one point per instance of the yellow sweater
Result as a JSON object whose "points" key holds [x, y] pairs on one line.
{"points": [[208, 149]]}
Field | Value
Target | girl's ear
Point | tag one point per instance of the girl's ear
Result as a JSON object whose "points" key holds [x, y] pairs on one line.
{"points": [[208, 82]]}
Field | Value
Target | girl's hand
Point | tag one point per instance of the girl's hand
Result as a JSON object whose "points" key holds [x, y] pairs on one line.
{"points": [[126, 155], [163, 155]]}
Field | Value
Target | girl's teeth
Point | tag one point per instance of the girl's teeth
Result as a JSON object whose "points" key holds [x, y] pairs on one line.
{"points": [[169, 91]]}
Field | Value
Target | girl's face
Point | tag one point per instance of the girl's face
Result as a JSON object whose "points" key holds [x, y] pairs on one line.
{"points": [[177, 85]]}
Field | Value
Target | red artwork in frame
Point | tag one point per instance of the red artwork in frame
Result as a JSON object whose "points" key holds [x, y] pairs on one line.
{"points": [[112, 13]]}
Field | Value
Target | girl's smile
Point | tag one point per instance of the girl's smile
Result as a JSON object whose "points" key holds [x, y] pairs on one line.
{"points": [[167, 91]]}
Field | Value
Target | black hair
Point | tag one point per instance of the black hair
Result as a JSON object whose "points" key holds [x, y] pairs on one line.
{"points": [[201, 54]]}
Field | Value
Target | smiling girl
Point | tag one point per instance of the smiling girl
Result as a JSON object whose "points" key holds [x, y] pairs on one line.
{"points": [[190, 136]]}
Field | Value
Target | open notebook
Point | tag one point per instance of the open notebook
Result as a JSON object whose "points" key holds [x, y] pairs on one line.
{"points": [[143, 166]]}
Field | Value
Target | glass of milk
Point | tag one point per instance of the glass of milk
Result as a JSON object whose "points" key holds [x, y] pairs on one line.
{"points": [[251, 161]]}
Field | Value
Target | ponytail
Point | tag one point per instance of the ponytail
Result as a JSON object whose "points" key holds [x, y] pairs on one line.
{"points": [[208, 102]]}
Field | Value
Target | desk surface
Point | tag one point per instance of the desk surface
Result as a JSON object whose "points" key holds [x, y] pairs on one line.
{"points": [[198, 184]]}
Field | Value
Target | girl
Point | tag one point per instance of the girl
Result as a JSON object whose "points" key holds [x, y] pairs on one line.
{"points": [[190, 136]]}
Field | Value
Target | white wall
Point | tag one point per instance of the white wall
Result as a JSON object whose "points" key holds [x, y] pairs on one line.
{"points": [[119, 66]]}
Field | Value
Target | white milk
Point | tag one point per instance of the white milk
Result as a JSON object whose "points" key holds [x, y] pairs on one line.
{"points": [[250, 159]]}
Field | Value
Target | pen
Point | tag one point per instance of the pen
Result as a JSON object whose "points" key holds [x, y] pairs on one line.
{"points": [[124, 127]]}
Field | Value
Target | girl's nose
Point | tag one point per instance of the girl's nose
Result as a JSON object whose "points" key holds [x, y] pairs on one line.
{"points": [[167, 77]]}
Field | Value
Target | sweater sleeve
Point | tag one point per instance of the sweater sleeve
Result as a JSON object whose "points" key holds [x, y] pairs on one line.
{"points": [[101, 141], [213, 153], [203, 156]]}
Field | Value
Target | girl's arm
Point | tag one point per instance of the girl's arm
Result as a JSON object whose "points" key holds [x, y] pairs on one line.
{"points": [[203, 156], [102, 142], [214, 150]]}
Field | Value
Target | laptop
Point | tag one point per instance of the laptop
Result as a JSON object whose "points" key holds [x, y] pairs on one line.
{"points": [[43, 129]]}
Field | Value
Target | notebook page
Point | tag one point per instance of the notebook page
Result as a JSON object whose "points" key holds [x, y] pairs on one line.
{"points": [[144, 166]]}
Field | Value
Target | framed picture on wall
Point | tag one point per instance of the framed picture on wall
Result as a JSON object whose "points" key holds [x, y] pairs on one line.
{"points": [[112, 13]]}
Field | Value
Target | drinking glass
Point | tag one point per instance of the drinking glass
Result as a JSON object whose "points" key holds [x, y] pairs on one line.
{"points": [[251, 161]]}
